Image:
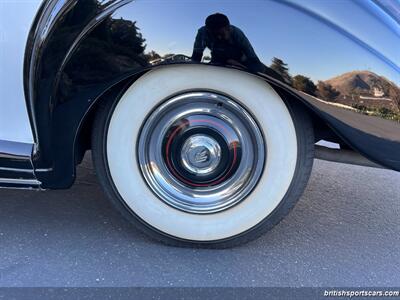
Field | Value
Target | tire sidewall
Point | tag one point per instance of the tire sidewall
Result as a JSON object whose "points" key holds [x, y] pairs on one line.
{"points": [[286, 200]]}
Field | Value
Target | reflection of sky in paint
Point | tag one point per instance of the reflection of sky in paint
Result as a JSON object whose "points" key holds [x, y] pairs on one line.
{"points": [[170, 27], [392, 7]]}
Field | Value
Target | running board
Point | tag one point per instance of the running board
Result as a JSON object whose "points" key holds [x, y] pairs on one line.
{"points": [[344, 156]]}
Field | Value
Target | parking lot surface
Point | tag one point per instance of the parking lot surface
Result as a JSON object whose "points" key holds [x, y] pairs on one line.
{"points": [[344, 231]]}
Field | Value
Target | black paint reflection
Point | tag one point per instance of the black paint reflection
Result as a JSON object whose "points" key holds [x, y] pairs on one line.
{"points": [[117, 46], [89, 49], [114, 47]]}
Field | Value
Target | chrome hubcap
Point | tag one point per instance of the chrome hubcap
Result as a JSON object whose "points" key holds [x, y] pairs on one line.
{"points": [[201, 152]]}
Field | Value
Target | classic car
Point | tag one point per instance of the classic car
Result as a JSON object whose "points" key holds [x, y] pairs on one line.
{"points": [[203, 117]]}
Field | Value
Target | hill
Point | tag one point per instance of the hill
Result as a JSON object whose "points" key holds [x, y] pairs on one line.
{"points": [[363, 83]]}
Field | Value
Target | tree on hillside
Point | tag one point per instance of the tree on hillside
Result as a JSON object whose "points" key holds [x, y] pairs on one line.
{"points": [[281, 68], [304, 84], [152, 55], [125, 33], [326, 91]]}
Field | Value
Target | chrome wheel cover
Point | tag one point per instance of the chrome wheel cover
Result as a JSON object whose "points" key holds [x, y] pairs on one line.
{"points": [[201, 152]]}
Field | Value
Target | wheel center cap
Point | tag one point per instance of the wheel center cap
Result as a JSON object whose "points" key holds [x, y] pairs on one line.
{"points": [[200, 154]]}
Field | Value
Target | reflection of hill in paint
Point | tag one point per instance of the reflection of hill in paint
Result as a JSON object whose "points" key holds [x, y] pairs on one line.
{"points": [[366, 89], [361, 82]]}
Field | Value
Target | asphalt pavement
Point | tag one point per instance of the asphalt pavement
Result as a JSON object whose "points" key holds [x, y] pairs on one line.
{"points": [[344, 231]]}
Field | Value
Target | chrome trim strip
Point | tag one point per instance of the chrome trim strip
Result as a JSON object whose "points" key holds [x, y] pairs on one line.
{"points": [[30, 182], [16, 167], [28, 171]]}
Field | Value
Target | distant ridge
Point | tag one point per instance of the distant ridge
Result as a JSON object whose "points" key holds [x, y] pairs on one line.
{"points": [[360, 82]]}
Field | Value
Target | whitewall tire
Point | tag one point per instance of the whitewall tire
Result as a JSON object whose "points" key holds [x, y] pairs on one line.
{"points": [[194, 193]]}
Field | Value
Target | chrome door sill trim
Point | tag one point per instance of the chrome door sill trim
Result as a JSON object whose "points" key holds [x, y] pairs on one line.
{"points": [[20, 181]]}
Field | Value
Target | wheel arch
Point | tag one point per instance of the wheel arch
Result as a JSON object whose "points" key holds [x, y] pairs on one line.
{"points": [[321, 127]]}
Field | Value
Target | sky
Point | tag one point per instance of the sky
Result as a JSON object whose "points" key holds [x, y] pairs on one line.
{"points": [[318, 39]]}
